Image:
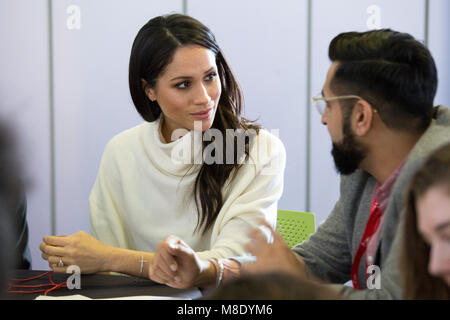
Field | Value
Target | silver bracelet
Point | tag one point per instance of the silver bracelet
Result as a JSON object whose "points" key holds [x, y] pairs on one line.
{"points": [[220, 277], [142, 261]]}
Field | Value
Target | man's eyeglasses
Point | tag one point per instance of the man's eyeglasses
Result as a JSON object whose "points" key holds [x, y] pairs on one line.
{"points": [[321, 102]]}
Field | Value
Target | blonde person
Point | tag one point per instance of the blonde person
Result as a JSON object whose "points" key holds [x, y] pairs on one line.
{"points": [[425, 254], [194, 169]]}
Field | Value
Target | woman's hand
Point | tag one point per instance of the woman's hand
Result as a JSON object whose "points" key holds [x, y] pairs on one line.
{"points": [[177, 265], [80, 249]]}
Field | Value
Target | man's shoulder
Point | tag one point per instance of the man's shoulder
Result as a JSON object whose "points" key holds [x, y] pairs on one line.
{"points": [[356, 192], [437, 134], [355, 182], [129, 135]]}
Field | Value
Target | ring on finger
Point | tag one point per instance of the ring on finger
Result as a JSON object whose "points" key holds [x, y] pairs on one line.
{"points": [[60, 263]]}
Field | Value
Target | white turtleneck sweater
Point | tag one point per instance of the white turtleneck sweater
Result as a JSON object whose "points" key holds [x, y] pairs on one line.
{"points": [[141, 195]]}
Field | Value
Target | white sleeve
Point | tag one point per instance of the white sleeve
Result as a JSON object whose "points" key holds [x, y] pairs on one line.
{"points": [[253, 195], [105, 211]]}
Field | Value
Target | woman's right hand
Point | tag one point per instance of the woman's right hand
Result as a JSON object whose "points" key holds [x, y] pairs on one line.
{"points": [[177, 265], [80, 249]]}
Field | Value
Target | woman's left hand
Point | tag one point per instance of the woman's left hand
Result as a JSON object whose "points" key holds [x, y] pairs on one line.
{"points": [[80, 249]]}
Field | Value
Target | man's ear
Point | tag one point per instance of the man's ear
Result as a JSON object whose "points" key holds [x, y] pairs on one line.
{"points": [[148, 90], [362, 117]]}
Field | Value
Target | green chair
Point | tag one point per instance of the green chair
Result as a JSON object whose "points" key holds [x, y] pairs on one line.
{"points": [[295, 227]]}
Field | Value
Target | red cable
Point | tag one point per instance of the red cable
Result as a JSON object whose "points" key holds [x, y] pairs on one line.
{"points": [[46, 291], [33, 278]]}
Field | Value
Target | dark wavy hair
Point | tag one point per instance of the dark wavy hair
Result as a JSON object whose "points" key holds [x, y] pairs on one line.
{"points": [[393, 71], [415, 252], [153, 49]]}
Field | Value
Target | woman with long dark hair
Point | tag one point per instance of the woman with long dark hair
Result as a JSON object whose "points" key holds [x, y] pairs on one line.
{"points": [[425, 255], [194, 169]]}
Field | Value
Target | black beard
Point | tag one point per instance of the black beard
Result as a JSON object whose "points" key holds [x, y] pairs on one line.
{"points": [[349, 153]]}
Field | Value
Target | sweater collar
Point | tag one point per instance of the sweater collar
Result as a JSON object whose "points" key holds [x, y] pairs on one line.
{"points": [[181, 157]]}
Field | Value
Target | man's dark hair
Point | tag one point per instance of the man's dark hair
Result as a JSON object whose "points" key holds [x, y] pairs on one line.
{"points": [[393, 71]]}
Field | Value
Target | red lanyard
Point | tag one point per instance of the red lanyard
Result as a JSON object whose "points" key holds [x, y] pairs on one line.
{"points": [[371, 228]]}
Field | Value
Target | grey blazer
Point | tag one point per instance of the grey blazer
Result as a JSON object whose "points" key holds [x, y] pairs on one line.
{"points": [[329, 252]]}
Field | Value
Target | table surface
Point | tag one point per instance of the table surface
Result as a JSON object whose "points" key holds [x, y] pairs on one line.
{"points": [[97, 286]]}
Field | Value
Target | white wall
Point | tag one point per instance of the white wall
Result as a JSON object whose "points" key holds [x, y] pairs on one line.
{"points": [[92, 100], [439, 44], [68, 102], [25, 103]]}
